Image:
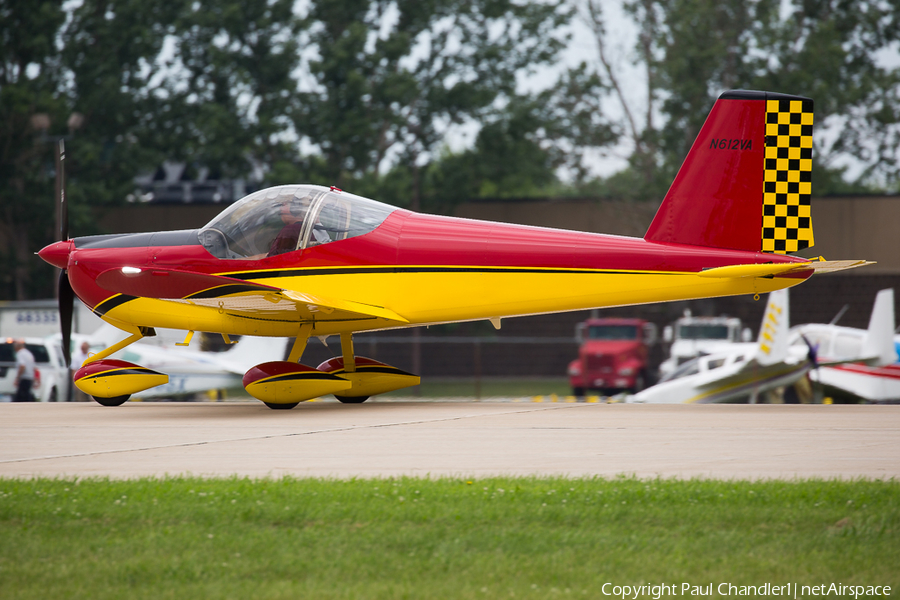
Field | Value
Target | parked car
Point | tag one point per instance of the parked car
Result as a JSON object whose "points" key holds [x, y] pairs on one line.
{"points": [[51, 377]]}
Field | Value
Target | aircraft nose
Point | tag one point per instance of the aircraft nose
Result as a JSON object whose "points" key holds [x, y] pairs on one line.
{"points": [[57, 254]]}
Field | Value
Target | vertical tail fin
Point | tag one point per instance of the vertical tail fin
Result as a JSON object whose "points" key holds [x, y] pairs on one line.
{"points": [[774, 329], [745, 183], [879, 340]]}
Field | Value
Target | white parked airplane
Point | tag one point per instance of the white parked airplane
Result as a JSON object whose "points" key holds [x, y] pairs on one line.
{"points": [[743, 371], [189, 371], [875, 380]]}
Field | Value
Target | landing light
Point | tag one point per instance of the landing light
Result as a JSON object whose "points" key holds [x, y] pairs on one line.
{"points": [[130, 270]]}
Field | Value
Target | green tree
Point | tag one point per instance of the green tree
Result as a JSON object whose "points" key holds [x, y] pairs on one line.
{"points": [[521, 150], [692, 50], [390, 76], [112, 53], [843, 55], [30, 110], [145, 80], [231, 85]]}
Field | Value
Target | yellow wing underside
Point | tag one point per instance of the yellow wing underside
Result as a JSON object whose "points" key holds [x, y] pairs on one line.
{"points": [[364, 301]]}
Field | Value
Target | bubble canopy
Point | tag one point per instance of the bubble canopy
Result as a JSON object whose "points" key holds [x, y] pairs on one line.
{"points": [[288, 218]]}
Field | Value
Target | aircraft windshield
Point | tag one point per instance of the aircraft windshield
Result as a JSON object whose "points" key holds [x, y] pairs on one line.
{"points": [[691, 367], [612, 332], [288, 218], [703, 332]]}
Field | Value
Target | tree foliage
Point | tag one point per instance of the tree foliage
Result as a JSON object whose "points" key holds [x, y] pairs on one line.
{"points": [[129, 83], [389, 76], [834, 51], [30, 77]]}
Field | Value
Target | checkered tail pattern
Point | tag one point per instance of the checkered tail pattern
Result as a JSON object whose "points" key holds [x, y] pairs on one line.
{"points": [[787, 226]]}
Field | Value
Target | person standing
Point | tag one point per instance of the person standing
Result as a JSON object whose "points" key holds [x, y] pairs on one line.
{"points": [[24, 373]]}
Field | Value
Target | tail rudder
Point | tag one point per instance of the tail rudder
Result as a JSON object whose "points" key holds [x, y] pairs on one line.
{"points": [[879, 340], [745, 183], [774, 329]]}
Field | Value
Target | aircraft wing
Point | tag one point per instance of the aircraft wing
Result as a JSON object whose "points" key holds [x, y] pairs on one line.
{"points": [[236, 295]]}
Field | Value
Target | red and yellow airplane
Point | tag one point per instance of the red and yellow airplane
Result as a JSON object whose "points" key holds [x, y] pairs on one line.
{"points": [[302, 260]]}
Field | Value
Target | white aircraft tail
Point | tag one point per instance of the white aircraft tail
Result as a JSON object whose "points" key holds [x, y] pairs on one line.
{"points": [[879, 340], [106, 335], [773, 332], [251, 351]]}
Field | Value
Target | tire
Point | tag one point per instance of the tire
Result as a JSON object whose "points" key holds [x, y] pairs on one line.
{"points": [[275, 406], [578, 392], [54, 397], [640, 382], [116, 401], [351, 399], [790, 395]]}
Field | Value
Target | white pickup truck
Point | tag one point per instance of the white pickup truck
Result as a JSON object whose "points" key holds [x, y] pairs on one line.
{"points": [[691, 337], [52, 379]]}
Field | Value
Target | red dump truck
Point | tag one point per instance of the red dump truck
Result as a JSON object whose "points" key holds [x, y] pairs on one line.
{"points": [[613, 356]]}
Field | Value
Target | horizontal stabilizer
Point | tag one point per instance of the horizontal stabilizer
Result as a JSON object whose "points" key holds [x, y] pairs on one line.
{"points": [[831, 266], [774, 269]]}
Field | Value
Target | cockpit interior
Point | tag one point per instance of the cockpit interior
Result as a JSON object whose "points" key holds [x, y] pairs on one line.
{"points": [[290, 218]]}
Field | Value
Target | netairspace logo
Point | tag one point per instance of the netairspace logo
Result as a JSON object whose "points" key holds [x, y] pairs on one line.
{"points": [[787, 590]]}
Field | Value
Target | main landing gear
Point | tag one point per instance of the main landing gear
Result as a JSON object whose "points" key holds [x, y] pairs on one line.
{"points": [[351, 379]]}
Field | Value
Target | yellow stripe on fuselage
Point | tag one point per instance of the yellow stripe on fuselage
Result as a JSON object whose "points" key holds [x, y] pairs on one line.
{"points": [[430, 295]]}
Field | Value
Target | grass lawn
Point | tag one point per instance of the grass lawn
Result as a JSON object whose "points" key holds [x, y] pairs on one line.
{"points": [[446, 538], [441, 538]]}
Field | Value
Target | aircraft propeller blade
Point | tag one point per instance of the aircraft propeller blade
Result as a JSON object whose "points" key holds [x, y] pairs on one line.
{"points": [[838, 316], [812, 353], [62, 206], [66, 295], [66, 308]]}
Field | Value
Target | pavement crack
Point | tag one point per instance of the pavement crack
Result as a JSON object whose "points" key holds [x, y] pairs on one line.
{"points": [[518, 410]]}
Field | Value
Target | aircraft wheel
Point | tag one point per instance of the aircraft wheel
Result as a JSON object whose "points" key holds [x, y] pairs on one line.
{"points": [[640, 383], [578, 392], [351, 399], [275, 406], [115, 401], [790, 395]]}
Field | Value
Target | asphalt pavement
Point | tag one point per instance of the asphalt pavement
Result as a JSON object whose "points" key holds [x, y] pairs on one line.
{"points": [[459, 439]]}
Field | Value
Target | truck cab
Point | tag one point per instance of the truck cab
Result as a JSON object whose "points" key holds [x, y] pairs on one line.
{"points": [[692, 336], [613, 355]]}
